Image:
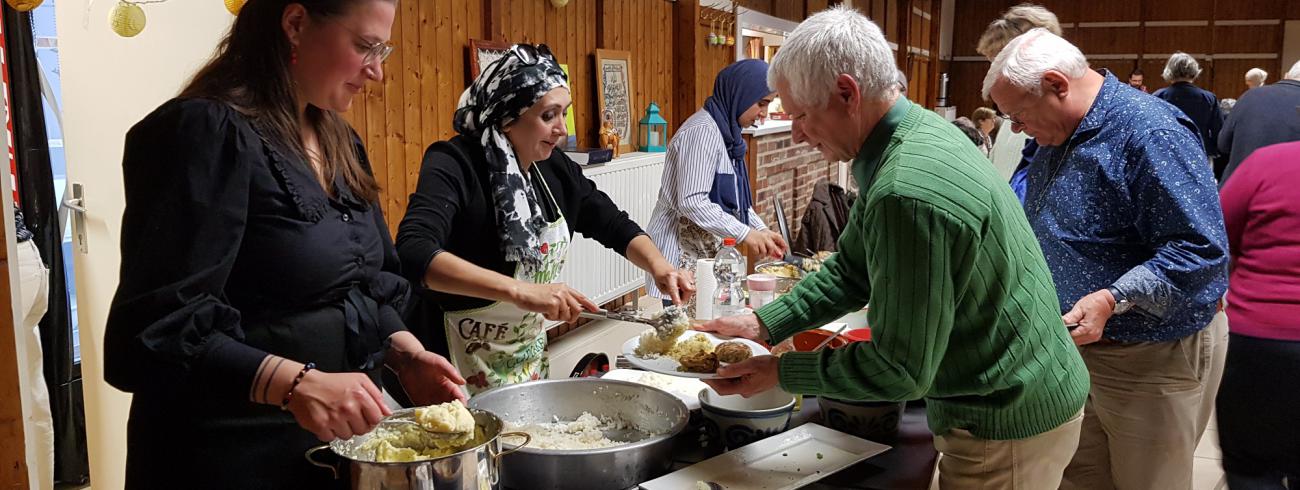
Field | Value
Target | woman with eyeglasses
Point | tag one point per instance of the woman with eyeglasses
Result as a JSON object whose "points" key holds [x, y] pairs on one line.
{"points": [[490, 225], [259, 297]]}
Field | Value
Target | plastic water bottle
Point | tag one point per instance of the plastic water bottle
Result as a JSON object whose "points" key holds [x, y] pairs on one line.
{"points": [[729, 268], [729, 261]]}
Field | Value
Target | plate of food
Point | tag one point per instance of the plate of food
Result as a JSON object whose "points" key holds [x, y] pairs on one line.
{"points": [[688, 354]]}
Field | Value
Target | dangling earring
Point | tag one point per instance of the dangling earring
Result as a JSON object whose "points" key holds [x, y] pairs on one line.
{"points": [[293, 55]]}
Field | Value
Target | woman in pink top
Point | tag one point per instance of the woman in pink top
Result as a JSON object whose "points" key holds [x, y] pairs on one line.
{"points": [[1258, 400]]}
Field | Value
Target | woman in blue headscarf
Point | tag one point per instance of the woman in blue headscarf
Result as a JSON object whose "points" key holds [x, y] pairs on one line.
{"points": [[705, 195]]}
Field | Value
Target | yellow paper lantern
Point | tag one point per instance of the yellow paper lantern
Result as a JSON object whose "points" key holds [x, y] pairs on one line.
{"points": [[234, 5], [127, 19], [24, 5]]}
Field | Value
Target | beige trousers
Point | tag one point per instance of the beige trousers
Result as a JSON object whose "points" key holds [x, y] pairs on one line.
{"points": [[1149, 405], [1032, 463]]}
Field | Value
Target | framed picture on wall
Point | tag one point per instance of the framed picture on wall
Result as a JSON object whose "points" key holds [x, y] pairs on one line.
{"points": [[614, 94], [483, 53]]}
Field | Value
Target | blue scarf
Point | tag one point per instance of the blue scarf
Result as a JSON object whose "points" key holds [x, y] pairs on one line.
{"points": [[738, 87]]}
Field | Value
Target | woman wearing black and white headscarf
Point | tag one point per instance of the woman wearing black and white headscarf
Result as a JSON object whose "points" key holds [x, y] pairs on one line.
{"points": [[488, 228]]}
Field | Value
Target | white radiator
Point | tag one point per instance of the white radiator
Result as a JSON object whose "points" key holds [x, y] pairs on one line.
{"points": [[632, 181]]}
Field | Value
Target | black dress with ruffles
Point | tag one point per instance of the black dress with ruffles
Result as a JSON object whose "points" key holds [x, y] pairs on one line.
{"points": [[232, 250]]}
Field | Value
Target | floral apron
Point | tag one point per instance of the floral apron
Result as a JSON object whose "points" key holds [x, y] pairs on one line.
{"points": [[502, 344]]}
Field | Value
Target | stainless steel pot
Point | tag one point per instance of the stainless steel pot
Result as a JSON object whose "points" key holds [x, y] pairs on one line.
{"points": [[657, 415], [474, 468]]}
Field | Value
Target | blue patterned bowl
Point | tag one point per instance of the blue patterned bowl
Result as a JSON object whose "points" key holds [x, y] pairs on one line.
{"points": [[873, 421], [734, 421]]}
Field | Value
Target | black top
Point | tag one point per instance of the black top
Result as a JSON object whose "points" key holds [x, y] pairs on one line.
{"points": [[226, 240], [451, 210], [1263, 116], [1201, 106]]}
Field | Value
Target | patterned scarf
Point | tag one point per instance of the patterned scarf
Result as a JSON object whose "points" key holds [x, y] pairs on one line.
{"points": [[506, 89]]}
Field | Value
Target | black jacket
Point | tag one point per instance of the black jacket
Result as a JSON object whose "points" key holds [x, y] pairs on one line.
{"points": [[1201, 106], [823, 220], [1263, 116], [452, 210]]}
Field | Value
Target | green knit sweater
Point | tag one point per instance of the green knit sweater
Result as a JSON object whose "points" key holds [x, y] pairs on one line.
{"points": [[963, 310]]}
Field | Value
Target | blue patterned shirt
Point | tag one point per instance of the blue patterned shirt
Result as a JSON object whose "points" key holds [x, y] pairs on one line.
{"points": [[1130, 201]]}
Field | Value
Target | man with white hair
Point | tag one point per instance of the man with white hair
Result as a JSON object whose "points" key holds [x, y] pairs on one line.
{"points": [[1255, 78], [1264, 116], [1201, 106], [963, 312], [1123, 203]]}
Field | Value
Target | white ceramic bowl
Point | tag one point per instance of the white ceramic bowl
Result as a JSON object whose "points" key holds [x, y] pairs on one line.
{"points": [[735, 421]]}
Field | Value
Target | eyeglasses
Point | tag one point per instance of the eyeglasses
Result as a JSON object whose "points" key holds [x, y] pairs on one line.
{"points": [[1014, 118], [531, 55], [373, 51]]}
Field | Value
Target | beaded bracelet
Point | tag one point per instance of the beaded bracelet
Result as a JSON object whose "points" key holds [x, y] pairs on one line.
{"points": [[289, 396]]}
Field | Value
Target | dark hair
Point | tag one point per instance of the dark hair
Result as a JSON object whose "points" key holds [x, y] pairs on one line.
{"points": [[250, 72], [1136, 71], [970, 132]]}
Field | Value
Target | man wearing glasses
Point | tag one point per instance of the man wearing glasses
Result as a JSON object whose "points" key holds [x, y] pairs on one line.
{"points": [[1124, 206]]}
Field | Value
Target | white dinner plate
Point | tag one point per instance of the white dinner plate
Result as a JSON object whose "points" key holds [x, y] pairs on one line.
{"points": [[668, 365]]}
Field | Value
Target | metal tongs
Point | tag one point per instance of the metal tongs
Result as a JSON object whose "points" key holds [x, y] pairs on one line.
{"points": [[662, 323]]}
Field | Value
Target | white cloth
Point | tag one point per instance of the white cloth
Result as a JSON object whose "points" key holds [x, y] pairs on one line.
{"points": [[34, 286], [695, 155], [1007, 148]]}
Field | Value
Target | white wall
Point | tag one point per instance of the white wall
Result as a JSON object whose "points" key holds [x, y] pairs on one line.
{"points": [[109, 83]]}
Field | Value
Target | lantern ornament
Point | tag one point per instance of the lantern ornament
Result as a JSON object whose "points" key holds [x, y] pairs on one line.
{"points": [[654, 130], [127, 19], [24, 5]]}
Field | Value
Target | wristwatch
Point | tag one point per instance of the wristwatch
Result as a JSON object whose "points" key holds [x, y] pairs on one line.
{"points": [[1122, 304]]}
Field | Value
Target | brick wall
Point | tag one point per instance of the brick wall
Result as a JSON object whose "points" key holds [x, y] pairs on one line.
{"points": [[789, 172]]}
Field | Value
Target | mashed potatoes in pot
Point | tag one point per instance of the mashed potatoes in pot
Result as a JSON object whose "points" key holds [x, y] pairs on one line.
{"points": [[394, 442]]}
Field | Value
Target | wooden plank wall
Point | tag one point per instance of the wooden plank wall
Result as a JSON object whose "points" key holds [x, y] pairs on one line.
{"points": [[425, 76], [412, 107], [712, 59], [399, 117], [787, 9], [1228, 37], [645, 29], [814, 6], [922, 50], [571, 32], [13, 453], [886, 13]]}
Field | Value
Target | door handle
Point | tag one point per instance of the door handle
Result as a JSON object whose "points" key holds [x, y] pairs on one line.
{"points": [[77, 204]]}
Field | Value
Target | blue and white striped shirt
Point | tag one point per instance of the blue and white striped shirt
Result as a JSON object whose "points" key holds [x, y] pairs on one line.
{"points": [[695, 155]]}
